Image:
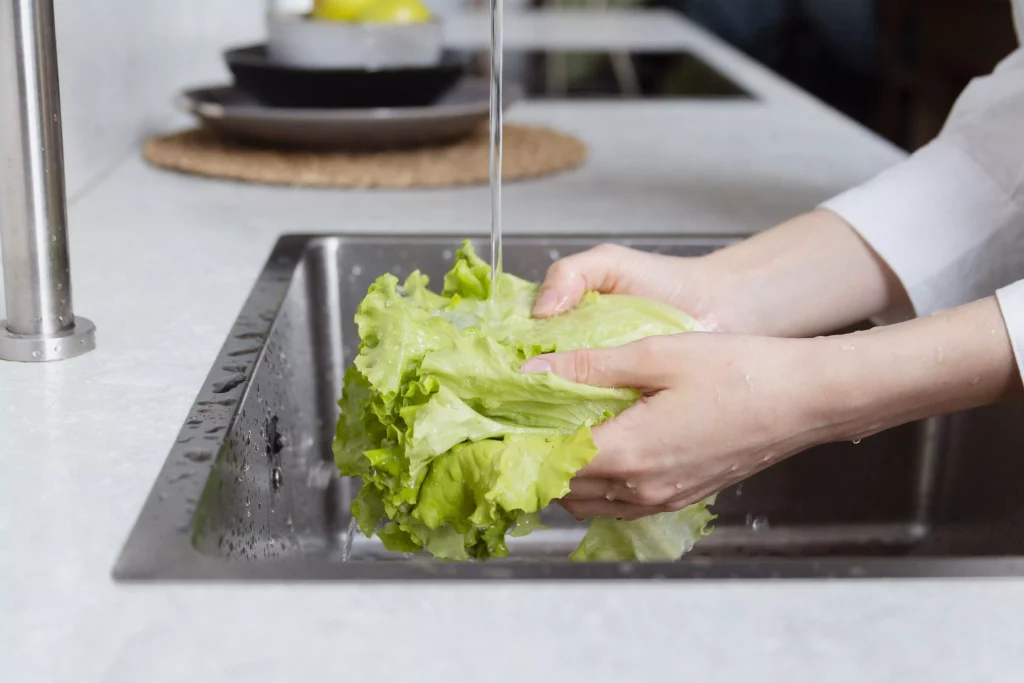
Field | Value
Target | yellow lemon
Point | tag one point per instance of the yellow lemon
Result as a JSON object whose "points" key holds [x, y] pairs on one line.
{"points": [[395, 12], [340, 10]]}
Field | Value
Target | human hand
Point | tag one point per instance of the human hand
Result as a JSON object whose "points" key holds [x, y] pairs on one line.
{"points": [[613, 269], [805, 277], [720, 407], [716, 409]]}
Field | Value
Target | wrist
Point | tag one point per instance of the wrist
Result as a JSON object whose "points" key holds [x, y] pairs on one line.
{"points": [[819, 410], [726, 304], [873, 380], [808, 276]]}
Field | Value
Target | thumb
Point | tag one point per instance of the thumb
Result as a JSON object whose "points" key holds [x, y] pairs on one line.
{"points": [[570, 278], [641, 365]]}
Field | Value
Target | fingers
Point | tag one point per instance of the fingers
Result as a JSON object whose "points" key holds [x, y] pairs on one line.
{"points": [[582, 509], [649, 492], [646, 493], [587, 488], [598, 507], [628, 445], [568, 279], [641, 365]]}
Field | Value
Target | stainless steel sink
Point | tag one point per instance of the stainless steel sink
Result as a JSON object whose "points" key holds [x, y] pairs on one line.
{"points": [[249, 490]]}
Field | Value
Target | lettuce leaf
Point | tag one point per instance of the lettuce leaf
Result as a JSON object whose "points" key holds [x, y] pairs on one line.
{"points": [[659, 538], [456, 447]]}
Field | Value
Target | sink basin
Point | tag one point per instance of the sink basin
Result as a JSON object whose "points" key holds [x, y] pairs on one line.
{"points": [[249, 490]]}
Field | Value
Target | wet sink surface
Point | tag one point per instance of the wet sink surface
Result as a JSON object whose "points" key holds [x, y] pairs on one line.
{"points": [[249, 490]]}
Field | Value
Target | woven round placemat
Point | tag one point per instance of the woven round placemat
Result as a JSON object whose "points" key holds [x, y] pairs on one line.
{"points": [[529, 152]]}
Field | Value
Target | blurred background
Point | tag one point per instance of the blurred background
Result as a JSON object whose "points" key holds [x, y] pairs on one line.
{"points": [[896, 66]]}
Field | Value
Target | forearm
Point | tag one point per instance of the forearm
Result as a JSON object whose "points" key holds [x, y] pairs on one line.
{"points": [[811, 275], [873, 380]]}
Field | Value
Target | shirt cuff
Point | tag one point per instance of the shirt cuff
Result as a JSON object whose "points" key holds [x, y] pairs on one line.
{"points": [[927, 218], [1011, 304]]}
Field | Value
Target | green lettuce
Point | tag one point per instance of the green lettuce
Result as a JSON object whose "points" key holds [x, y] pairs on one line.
{"points": [[456, 447]]}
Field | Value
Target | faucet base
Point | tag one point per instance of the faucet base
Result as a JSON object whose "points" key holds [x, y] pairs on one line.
{"points": [[74, 341]]}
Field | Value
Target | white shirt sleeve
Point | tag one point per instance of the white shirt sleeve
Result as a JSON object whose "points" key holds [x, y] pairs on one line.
{"points": [[949, 221]]}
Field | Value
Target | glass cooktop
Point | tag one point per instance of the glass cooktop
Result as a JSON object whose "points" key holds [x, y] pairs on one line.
{"points": [[607, 75]]}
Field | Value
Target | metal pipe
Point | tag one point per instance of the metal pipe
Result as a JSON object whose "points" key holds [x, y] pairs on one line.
{"points": [[41, 323]]}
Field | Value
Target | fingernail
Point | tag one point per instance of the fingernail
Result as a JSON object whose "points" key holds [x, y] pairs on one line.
{"points": [[537, 364], [547, 302]]}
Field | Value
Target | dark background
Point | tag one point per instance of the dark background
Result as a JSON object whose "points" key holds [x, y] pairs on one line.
{"points": [[897, 66]]}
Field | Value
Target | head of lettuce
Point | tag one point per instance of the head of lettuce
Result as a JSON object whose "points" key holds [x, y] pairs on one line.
{"points": [[456, 447]]}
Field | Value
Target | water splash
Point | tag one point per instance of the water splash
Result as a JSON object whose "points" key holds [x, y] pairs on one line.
{"points": [[346, 541]]}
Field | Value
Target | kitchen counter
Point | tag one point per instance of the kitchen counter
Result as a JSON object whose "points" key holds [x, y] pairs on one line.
{"points": [[162, 262]]}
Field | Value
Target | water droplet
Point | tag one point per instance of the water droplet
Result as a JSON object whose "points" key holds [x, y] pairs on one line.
{"points": [[756, 524], [226, 385], [276, 478], [447, 254], [739, 490], [630, 485], [856, 441], [847, 347], [609, 496], [60, 286], [554, 255], [199, 456], [53, 238], [36, 354], [357, 270], [247, 502], [679, 486], [245, 468]]}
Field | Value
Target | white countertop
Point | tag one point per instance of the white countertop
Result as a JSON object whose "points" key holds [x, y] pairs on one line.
{"points": [[162, 263]]}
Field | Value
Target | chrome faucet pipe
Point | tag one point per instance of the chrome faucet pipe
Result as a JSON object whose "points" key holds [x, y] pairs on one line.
{"points": [[40, 324]]}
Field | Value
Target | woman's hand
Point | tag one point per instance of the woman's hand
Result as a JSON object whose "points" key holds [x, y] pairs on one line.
{"points": [[719, 407], [613, 269], [716, 409], [811, 275]]}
